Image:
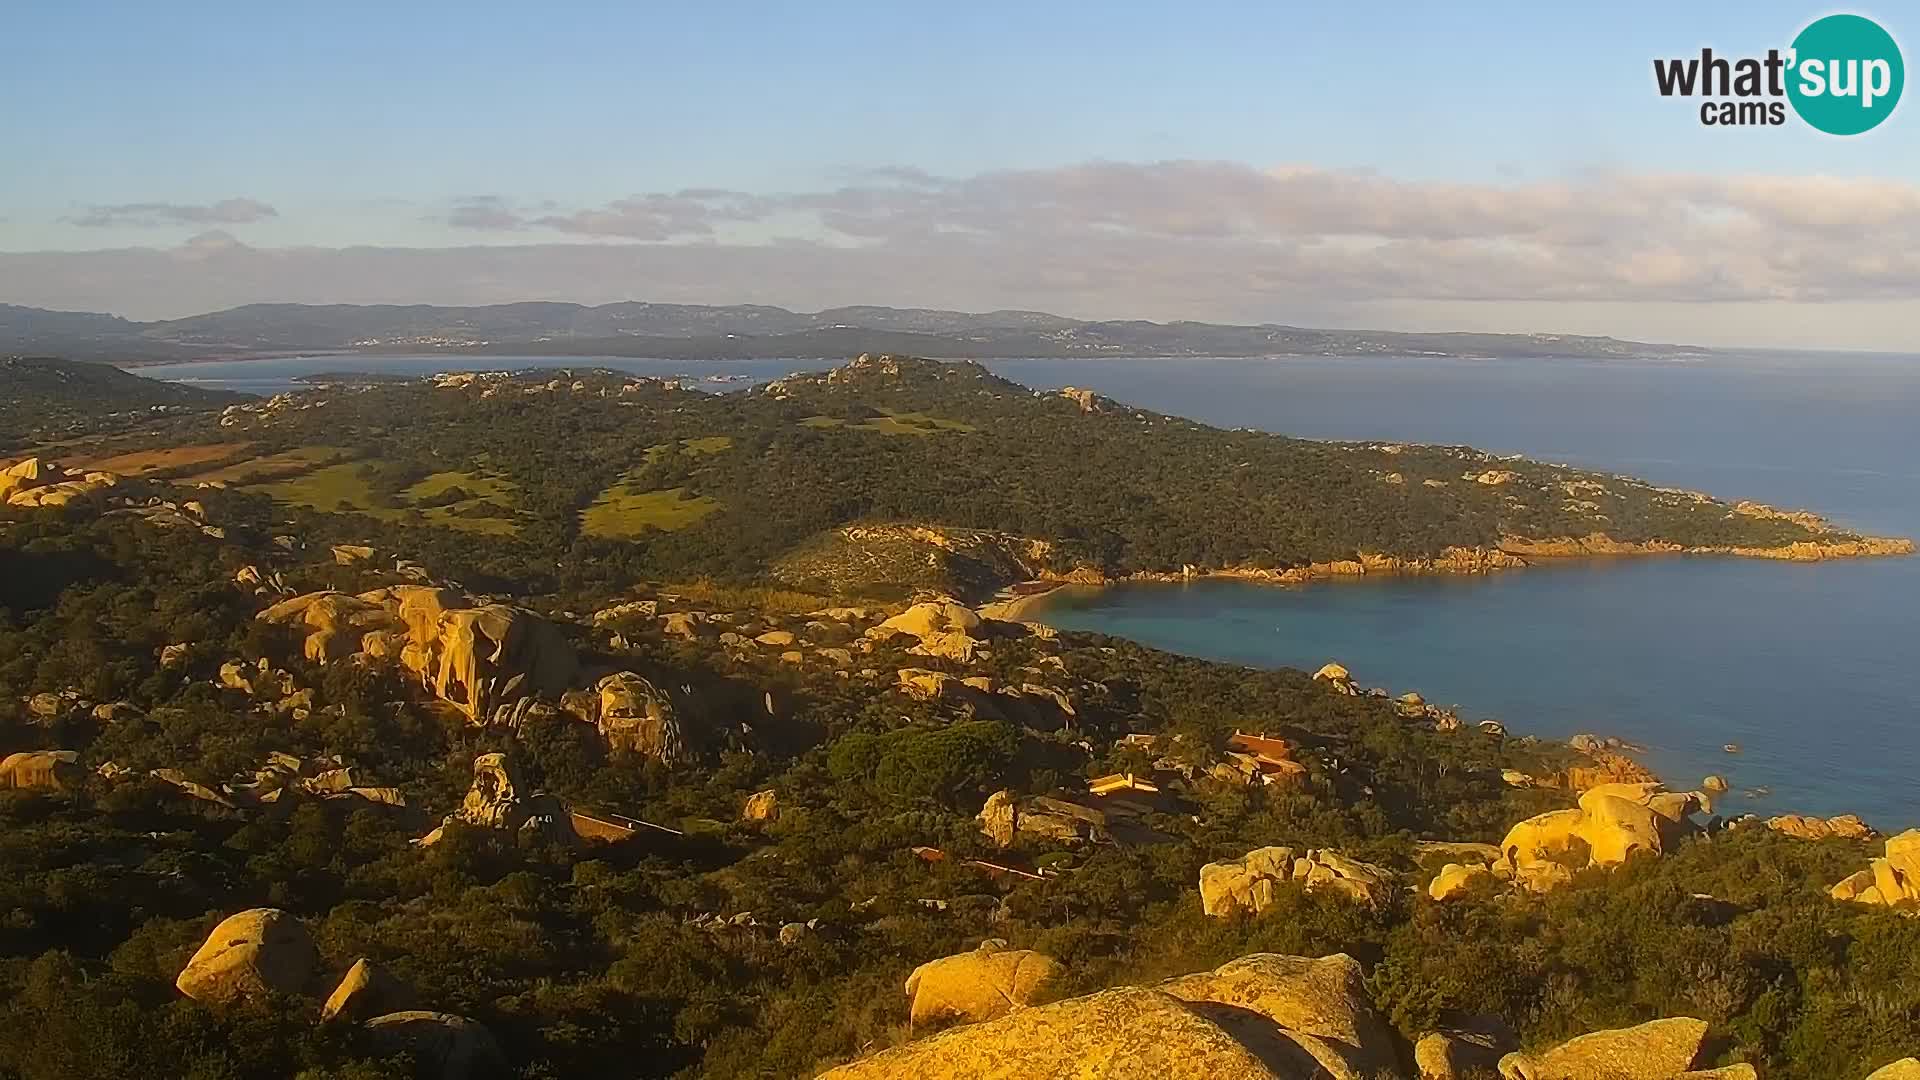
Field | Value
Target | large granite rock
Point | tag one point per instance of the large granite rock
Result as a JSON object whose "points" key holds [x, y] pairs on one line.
{"points": [[442, 1045], [636, 715], [1319, 1005], [366, 990], [982, 984], [1470, 1049], [500, 799], [41, 770], [1613, 822], [250, 954], [1892, 880], [1125, 1034], [1262, 1017], [761, 806], [1904, 1069], [1456, 879], [1656, 1050]]}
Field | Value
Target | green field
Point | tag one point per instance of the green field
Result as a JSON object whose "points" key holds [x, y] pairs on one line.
{"points": [[892, 423], [342, 488], [622, 512], [259, 469]]}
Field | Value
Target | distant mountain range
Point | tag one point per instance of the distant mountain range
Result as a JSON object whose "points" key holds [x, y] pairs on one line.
{"points": [[741, 331]]}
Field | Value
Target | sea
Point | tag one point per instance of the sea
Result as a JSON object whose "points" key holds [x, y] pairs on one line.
{"points": [[1810, 673]]}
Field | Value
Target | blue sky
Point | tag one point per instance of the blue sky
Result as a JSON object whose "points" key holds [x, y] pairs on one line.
{"points": [[361, 124]]}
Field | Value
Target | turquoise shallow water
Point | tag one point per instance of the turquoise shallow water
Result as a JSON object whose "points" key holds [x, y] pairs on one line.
{"points": [[1813, 669]]}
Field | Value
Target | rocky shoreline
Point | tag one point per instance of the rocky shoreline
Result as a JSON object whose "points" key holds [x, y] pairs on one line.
{"points": [[1017, 602]]}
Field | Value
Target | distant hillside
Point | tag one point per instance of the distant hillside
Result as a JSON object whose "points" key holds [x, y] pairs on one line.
{"points": [[888, 475], [44, 397], [700, 332]]}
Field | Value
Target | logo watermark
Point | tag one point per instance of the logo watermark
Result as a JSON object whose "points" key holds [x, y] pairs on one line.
{"points": [[1843, 75]]}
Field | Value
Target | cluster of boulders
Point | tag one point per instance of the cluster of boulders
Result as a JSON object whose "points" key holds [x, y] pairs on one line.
{"points": [[284, 774], [1892, 880], [1262, 1017], [474, 656], [1604, 761], [266, 951], [55, 706], [1612, 823], [1843, 826], [939, 628], [36, 482], [1030, 703], [1247, 884], [1410, 705]]}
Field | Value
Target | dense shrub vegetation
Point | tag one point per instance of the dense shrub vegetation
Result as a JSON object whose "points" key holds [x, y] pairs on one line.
{"points": [[601, 961]]}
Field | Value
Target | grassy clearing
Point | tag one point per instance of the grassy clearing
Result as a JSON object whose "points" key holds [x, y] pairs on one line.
{"points": [[148, 462], [480, 485], [255, 470], [622, 512], [341, 488], [707, 444], [893, 423]]}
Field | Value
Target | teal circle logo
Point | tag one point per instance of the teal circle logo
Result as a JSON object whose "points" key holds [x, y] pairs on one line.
{"points": [[1846, 74]]}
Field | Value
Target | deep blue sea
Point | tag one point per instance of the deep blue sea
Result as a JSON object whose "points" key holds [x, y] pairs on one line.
{"points": [[1814, 670]]}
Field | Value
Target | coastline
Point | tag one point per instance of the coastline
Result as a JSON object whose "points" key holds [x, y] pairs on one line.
{"points": [[1019, 601]]}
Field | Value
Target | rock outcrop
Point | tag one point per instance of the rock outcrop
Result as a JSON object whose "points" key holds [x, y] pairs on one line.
{"points": [[1464, 1051], [636, 715], [41, 770], [1904, 1069], [473, 657], [1127, 1033], [1320, 1006], [366, 990], [1004, 818], [1606, 767], [499, 799], [1612, 823], [250, 954], [990, 981], [1263, 1017], [940, 628], [1845, 827], [1656, 1050], [1892, 880], [36, 483], [1338, 677], [1455, 879], [443, 1045], [761, 806], [1248, 883]]}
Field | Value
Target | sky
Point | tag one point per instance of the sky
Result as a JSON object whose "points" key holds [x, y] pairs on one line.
{"points": [[1409, 166]]}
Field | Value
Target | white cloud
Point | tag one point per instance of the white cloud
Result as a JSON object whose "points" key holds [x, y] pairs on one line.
{"points": [[1183, 239], [224, 212]]}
